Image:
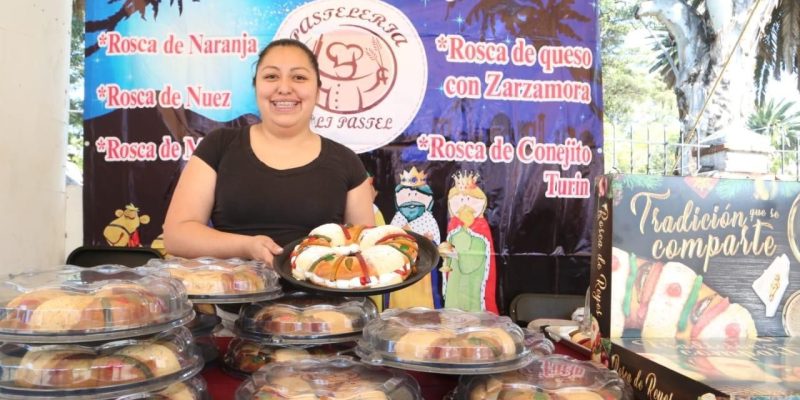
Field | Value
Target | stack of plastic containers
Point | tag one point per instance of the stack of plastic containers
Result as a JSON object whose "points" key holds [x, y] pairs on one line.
{"points": [[496, 358], [328, 378], [297, 326], [96, 333], [299, 346], [194, 388], [210, 281], [449, 341]]}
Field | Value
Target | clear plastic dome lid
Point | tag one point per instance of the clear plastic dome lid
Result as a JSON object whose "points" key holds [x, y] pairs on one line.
{"points": [[88, 304], [192, 389], [554, 376], [449, 341], [328, 378], [246, 356], [301, 318], [115, 368], [216, 280]]}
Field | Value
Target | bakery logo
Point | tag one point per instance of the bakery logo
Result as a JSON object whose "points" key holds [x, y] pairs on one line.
{"points": [[561, 370], [372, 64]]}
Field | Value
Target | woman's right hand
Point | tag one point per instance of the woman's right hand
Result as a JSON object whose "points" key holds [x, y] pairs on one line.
{"points": [[263, 248]]}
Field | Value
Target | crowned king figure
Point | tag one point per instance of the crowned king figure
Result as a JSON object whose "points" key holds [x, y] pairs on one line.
{"points": [[471, 277]]}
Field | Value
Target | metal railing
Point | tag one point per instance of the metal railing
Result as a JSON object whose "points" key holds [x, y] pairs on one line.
{"points": [[786, 159], [648, 150], [657, 151]]}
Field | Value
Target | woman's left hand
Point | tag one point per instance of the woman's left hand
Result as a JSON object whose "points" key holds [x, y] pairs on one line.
{"points": [[263, 248]]}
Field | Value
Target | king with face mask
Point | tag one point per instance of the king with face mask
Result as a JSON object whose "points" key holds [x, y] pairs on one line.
{"points": [[414, 201]]}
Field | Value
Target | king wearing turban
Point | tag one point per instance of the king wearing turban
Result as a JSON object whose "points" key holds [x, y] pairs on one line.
{"points": [[414, 201]]}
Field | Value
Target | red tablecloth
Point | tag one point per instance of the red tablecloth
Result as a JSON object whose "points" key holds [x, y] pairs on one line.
{"points": [[222, 386]]}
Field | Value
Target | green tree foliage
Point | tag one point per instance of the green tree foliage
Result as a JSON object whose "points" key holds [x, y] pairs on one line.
{"points": [[76, 62], [640, 111], [630, 92], [781, 122], [779, 47]]}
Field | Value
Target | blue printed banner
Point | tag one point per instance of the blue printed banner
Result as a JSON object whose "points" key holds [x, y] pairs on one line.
{"points": [[475, 117]]}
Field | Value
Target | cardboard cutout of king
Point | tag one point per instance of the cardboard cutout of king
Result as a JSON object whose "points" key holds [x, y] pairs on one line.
{"points": [[471, 281], [414, 201]]}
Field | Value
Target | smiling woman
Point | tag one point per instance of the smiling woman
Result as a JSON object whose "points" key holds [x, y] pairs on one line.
{"points": [[265, 185]]}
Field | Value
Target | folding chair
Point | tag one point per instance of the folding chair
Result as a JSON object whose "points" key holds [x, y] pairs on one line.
{"points": [[90, 256], [527, 307]]}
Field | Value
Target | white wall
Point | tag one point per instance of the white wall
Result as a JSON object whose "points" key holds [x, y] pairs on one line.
{"points": [[73, 237], [34, 78]]}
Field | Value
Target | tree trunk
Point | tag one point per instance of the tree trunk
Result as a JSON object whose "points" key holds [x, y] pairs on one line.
{"points": [[716, 58]]}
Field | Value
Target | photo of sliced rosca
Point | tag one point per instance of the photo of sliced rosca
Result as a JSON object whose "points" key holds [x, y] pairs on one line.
{"points": [[620, 269], [671, 300], [705, 304], [673, 288], [640, 277], [734, 322]]}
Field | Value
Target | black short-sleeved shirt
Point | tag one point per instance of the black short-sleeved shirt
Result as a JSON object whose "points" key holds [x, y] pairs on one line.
{"points": [[252, 198]]}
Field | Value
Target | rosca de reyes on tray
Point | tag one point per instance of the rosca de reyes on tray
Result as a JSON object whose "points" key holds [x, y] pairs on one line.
{"points": [[102, 366], [355, 256], [448, 341], [306, 317], [211, 276], [89, 300], [333, 378]]}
